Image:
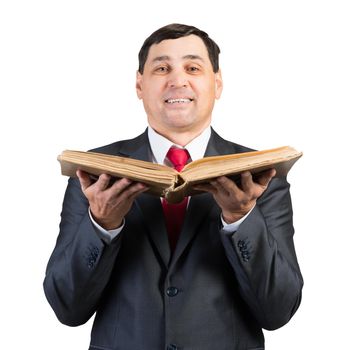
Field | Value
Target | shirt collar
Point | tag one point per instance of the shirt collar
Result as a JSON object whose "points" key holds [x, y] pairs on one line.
{"points": [[160, 145]]}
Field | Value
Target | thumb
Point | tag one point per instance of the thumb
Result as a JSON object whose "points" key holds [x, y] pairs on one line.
{"points": [[84, 179], [266, 177]]}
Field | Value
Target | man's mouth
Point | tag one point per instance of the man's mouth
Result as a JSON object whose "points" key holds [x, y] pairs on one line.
{"points": [[178, 100]]}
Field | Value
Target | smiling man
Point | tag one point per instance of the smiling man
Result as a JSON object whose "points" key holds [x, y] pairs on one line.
{"points": [[207, 273], [178, 87]]}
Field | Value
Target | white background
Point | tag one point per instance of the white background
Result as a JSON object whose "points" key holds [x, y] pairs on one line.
{"points": [[67, 76]]}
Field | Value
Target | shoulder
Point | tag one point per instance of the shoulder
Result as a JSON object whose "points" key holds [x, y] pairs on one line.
{"points": [[222, 146], [123, 146]]}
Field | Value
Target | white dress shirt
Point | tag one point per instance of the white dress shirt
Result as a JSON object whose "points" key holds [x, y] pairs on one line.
{"points": [[159, 147]]}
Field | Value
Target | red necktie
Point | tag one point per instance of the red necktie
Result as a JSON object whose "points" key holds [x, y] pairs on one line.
{"points": [[175, 213]]}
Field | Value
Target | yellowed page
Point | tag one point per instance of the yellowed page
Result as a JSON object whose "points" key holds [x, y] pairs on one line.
{"points": [[256, 161], [158, 177]]}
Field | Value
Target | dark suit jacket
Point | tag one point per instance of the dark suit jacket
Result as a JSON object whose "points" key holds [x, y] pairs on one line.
{"points": [[217, 291]]}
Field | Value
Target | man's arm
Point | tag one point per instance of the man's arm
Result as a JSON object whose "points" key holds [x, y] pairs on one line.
{"points": [[81, 263], [261, 251]]}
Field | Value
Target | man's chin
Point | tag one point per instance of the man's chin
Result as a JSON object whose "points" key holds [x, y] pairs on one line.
{"points": [[181, 125]]}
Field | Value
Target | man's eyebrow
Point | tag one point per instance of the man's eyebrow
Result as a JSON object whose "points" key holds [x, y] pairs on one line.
{"points": [[186, 57], [161, 58], [193, 57]]}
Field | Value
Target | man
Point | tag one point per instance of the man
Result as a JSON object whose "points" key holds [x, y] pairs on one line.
{"points": [[228, 273]]}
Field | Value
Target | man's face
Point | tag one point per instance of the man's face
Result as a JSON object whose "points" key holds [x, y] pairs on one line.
{"points": [[178, 86]]}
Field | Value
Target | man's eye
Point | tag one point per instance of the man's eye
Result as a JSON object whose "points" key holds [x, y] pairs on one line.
{"points": [[193, 69], [162, 69]]}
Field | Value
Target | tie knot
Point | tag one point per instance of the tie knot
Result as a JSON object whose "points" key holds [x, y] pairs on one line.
{"points": [[178, 157]]}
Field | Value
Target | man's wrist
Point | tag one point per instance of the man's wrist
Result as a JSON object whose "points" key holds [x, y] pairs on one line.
{"points": [[110, 226], [106, 224], [234, 226], [106, 235], [231, 218]]}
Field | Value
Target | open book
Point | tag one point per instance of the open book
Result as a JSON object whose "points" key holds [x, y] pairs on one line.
{"points": [[164, 181]]}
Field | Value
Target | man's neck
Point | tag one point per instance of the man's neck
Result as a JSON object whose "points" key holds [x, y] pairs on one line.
{"points": [[180, 137], [160, 145]]}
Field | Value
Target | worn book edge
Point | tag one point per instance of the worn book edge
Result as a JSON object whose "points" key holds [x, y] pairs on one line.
{"points": [[167, 182]]}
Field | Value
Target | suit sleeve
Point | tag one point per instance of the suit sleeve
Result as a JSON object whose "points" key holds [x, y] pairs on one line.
{"points": [[81, 263], [262, 255]]}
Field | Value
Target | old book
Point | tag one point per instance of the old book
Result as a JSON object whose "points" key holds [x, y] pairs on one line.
{"points": [[164, 181]]}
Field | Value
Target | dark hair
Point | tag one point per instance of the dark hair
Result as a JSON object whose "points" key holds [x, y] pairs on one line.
{"points": [[175, 31]]}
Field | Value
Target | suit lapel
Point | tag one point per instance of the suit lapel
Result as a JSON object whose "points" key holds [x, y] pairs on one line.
{"points": [[149, 206], [200, 205], [152, 213], [137, 148], [197, 210]]}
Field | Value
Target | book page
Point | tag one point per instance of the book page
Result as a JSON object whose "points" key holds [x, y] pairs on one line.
{"points": [[159, 177], [256, 161]]}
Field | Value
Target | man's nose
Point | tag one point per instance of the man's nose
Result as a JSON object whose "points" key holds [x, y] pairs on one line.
{"points": [[177, 79]]}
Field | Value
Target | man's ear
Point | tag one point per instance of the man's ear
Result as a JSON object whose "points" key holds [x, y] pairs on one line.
{"points": [[139, 85], [218, 84]]}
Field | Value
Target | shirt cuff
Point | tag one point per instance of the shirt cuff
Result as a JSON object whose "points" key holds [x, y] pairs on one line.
{"points": [[233, 227], [106, 235]]}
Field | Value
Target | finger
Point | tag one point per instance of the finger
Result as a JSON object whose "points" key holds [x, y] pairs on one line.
{"points": [[224, 184], [103, 182], [218, 188], [84, 179], [139, 188], [120, 185], [247, 182], [129, 193], [265, 177]]}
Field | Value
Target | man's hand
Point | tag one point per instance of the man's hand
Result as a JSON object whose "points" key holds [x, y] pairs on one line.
{"points": [[109, 205], [235, 202]]}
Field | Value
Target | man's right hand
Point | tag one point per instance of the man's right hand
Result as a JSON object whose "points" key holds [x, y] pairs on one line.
{"points": [[109, 204]]}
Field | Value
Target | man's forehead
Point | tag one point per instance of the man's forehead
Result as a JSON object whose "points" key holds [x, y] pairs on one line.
{"points": [[188, 47]]}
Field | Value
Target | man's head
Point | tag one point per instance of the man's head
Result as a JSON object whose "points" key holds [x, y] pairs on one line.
{"points": [[178, 81], [175, 31]]}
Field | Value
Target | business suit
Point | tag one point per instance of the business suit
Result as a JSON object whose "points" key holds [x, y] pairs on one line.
{"points": [[216, 291]]}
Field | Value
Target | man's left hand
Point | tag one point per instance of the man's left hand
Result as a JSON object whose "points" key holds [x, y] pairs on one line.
{"points": [[234, 201]]}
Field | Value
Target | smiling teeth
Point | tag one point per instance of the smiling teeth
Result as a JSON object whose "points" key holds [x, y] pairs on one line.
{"points": [[179, 100]]}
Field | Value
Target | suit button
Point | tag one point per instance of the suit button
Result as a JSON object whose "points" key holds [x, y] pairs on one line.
{"points": [[240, 244], [172, 292], [245, 256], [172, 347]]}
